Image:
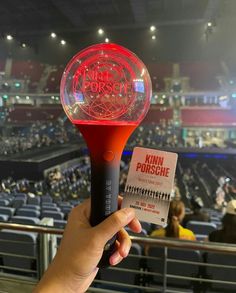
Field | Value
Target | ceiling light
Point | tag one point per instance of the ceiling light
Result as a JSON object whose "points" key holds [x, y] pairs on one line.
{"points": [[153, 37], [53, 35], [100, 31], [106, 40], [9, 37], [152, 28], [209, 24], [63, 42]]}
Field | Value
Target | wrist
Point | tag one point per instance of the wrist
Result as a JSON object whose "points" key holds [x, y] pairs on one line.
{"points": [[59, 278]]}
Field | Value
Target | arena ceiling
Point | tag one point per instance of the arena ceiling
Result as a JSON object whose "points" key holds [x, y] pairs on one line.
{"points": [[181, 27], [35, 17]]}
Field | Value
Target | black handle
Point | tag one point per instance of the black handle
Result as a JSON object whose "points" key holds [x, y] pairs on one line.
{"points": [[104, 200]]}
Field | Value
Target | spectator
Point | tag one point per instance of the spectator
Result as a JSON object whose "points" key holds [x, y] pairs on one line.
{"points": [[197, 213], [173, 228], [228, 232]]}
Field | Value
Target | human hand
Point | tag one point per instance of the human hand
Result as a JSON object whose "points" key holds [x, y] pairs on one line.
{"points": [[75, 264]]}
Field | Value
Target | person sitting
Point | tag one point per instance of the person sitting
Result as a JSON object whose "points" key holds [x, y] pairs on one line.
{"points": [[173, 228], [197, 213], [228, 232]]}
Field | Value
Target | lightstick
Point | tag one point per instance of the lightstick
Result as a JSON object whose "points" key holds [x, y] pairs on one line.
{"points": [[105, 92]]}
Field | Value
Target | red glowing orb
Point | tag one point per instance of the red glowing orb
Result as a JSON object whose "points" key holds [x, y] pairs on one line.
{"points": [[100, 83]]}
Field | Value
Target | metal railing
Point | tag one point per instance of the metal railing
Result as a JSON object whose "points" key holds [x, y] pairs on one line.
{"points": [[150, 278]]}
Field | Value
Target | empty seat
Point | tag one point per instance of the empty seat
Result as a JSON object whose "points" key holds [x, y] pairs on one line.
{"points": [[52, 214], [202, 228], [64, 204], [4, 202], [49, 204], [25, 220], [125, 277], [51, 208], [33, 200], [46, 198], [146, 226], [227, 273], [173, 266], [59, 224], [18, 202], [28, 213], [20, 195], [3, 218], [7, 211], [18, 243], [31, 206], [66, 210]]}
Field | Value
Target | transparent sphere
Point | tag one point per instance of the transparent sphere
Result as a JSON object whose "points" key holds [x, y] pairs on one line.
{"points": [[105, 84]]}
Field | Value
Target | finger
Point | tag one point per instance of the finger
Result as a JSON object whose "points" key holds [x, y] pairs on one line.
{"points": [[120, 199], [115, 258], [135, 225], [111, 225], [125, 243]]}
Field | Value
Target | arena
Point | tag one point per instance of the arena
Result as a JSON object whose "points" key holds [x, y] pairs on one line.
{"points": [[189, 50]]}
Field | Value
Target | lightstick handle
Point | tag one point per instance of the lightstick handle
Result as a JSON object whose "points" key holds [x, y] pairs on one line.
{"points": [[104, 200]]}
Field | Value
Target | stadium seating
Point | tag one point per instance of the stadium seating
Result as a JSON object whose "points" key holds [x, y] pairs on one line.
{"points": [[226, 273], [18, 244], [28, 213], [201, 228], [25, 220], [52, 214], [124, 277], [174, 266], [7, 211]]}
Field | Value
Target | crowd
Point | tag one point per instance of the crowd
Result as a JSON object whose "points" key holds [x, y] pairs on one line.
{"points": [[42, 134], [37, 135], [166, 134]]}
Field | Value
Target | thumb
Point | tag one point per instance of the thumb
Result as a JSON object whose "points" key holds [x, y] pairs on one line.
{"points": [[114, 223]]}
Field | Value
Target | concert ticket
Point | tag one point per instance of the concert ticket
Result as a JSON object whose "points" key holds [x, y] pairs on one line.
{"points": [[149, 184]]}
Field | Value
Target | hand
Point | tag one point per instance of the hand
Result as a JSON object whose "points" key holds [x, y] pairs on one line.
{"points": [[75, 264]]}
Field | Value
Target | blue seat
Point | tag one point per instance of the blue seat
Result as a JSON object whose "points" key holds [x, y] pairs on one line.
{"points": [[223, 274], [7, 211], [20, 195], [18, 243], [64, 204], [46, 198], [4, 218], [25, 220], [18, 202], [52, 214], [130, 262], [34, 200], [51, 208], [173, 266], [202, 228], [31, 206], [66, 210], [49, 204], [59, 224], [146, 226], [4, 202], [28, 213]]}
